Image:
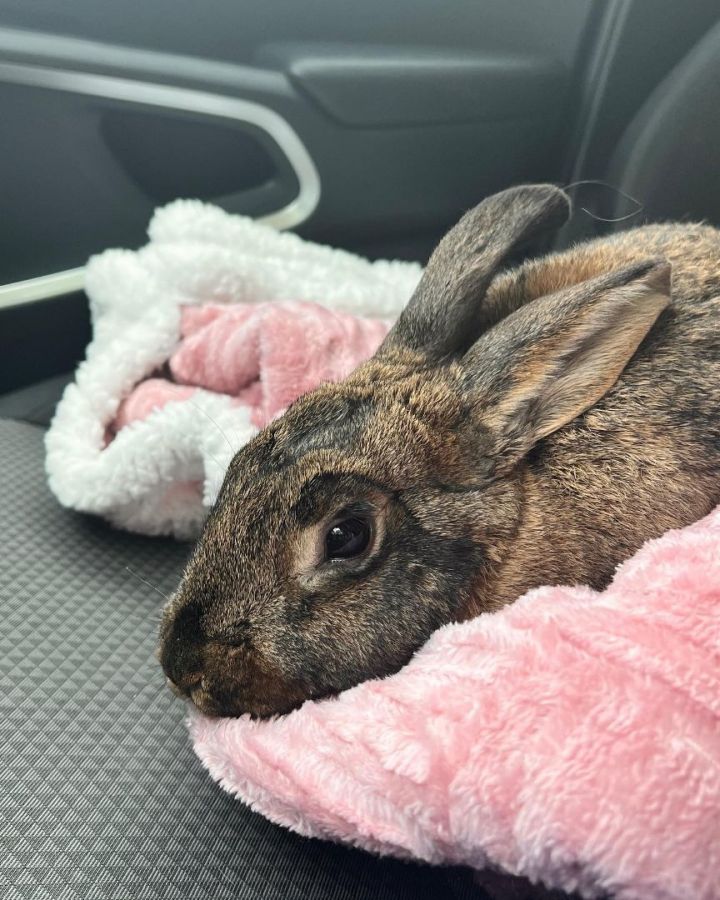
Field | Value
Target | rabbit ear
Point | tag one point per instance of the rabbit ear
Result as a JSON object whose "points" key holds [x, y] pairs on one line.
{"points": [[445, 314], [552, 359]]}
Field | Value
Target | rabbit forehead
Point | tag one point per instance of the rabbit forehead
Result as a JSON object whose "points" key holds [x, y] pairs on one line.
{"points": [[377, 430], [359, 436]]}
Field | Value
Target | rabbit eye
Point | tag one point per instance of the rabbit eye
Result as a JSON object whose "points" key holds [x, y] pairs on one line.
{"points": [[347, 538]]}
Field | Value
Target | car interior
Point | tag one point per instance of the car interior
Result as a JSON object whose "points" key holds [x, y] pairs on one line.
{"points": [[370, 127]]}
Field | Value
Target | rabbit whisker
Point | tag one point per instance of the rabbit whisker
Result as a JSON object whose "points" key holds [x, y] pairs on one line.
{"points": [[148, 583], [625, 196], [208, 416]]}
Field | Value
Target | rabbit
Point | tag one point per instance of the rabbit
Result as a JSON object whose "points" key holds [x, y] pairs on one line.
{"points": [[517, 427]]}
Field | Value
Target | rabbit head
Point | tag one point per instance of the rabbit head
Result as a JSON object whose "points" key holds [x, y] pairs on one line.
{"points": [[377, 509]]}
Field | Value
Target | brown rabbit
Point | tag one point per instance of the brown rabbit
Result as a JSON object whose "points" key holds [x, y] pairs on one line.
{"points": [[516, 428]]}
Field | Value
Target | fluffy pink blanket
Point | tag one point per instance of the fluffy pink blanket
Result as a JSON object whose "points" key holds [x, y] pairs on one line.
{"points": [[572, 737], [264, 355]]}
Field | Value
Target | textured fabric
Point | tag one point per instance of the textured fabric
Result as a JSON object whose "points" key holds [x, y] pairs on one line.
{"points": [[264, 355], [572, 737], [100, 793], [147, 478]]}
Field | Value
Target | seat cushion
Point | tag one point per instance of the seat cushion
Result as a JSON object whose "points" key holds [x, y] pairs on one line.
{"points": [[35, 403], [100, 794]]}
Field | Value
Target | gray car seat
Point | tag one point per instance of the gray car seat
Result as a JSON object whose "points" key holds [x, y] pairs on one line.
{"points": [[669, 156], [665, 164]]}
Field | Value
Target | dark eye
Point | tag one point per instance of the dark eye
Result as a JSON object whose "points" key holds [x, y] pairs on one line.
{"points": [[347, 538]]}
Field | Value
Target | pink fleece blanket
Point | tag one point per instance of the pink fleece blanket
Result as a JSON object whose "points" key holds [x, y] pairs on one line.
{"points": [[572, 737], [264, 355]]}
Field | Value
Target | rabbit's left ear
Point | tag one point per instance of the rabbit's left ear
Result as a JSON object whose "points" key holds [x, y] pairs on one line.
{"points": [[555, 357], [446, 313]]}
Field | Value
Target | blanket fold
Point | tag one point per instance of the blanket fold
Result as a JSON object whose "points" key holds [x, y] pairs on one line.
{"points": [[262, 355], [200, 338], [572, 738]]}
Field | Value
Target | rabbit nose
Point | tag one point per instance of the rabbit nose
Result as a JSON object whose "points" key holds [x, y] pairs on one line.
{"points": [[181, 650], [182, 669]]}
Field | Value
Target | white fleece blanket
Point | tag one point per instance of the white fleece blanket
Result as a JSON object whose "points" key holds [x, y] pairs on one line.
{"points": [[146, 478]]}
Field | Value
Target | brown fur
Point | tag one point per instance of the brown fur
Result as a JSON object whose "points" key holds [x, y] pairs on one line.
{"points": [[515, 429]]}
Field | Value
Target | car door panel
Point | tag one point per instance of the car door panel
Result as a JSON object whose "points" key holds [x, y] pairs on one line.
{"points": [[395, 118]]}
